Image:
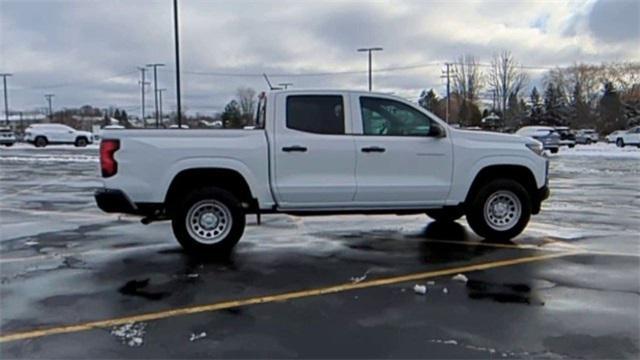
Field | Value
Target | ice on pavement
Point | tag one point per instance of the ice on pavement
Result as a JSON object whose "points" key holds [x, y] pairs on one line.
{"points": [[357, 279], [196, 337], [131, 334], [460, 277]]}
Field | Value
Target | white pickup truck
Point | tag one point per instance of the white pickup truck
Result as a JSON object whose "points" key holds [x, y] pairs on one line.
{"points": [[322, 152]]}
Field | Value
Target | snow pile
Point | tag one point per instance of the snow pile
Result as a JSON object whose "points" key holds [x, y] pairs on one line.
{"points": [[420, 289], [460, 277], [131, 334]]}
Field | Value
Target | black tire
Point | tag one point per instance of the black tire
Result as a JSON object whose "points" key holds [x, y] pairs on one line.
{"points": [[217, 197], [554, 150], [572, 146], [588, 142], [40, 141], [8, 144], [81, 142], [480, 223], [620, 143], [445, 215]]}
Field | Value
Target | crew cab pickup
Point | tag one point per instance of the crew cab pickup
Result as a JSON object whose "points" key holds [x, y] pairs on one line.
{"points": [[322, 152]]}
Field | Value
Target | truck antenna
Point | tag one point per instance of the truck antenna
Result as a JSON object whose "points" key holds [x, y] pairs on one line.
{"points": [[269, 83]]}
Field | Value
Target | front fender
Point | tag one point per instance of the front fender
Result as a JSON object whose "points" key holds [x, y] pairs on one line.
{"points": [[464, 176]]}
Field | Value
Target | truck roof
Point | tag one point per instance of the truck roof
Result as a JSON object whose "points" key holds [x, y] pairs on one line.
{"points": [[329, 91]]}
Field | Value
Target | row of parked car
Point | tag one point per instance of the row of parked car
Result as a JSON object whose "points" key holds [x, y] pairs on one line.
{"points": [[42, 135], [552, 138]]}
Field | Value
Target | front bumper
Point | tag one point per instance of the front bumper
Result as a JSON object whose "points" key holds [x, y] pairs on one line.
{"points": [[538, 197], [114, 201]]}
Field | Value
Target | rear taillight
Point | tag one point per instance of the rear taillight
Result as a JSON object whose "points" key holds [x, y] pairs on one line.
{"points": [[108, 163]]}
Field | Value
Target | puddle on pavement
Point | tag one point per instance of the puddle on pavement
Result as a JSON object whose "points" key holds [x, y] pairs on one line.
{"points": [[502, 293], [137, 288]]}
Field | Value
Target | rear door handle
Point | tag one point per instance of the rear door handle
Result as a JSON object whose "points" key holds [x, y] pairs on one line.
{"points": [[373, 149], [297, 148]]}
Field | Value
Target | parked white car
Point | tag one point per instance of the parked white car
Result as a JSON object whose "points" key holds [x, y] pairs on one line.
{"points": [[42, 135], [612, 137], [629, 137], [322, 152], [586, 136]]}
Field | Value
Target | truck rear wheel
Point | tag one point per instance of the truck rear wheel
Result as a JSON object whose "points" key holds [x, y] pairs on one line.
{"points": [[500, 210], [208, 220]]}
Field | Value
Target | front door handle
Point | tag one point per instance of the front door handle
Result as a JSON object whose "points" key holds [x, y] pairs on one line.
{"points": [[297, 148], [373, 149]]}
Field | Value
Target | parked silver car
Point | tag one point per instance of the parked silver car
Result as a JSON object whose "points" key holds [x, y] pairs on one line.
{"points": [[547, 135], [7, 137]]}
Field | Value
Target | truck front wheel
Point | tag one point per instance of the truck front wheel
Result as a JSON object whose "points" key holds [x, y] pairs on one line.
{"points": [[209, 220], [500, 210]]}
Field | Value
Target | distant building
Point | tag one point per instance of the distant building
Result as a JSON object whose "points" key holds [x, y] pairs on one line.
{"points": [[19, 122]]}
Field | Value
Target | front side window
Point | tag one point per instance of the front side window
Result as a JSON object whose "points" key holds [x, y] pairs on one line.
{"points": [[392, 118], [319, 114]]}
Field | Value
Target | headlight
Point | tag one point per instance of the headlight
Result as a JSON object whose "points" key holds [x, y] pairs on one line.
{"points": [[536, 147]]}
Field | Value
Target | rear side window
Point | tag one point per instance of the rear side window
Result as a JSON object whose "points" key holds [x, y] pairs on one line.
{"points": [[318, 114]]}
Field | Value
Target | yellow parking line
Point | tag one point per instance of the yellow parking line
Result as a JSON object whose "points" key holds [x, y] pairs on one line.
{"points": [[490, 244], [65, 329]]}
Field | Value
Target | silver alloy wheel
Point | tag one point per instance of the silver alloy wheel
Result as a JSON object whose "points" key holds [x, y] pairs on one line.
{"points": [[208, 221], [502, 210]]}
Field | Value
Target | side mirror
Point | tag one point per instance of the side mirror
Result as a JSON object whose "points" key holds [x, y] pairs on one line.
{"points": [[436, 131]]}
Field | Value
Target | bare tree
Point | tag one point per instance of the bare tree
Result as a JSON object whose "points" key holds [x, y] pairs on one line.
{"points": [[467, 78], [506, 79], [247, 103]]}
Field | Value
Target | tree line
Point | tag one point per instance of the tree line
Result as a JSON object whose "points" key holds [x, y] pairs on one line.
{"points": [[605, 97]]}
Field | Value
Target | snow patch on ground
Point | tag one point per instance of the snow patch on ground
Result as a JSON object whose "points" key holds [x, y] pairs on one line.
{"points": [[600, 150], [131, 334], [50, 158]]}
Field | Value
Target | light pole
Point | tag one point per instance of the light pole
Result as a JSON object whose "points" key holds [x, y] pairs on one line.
{"points": [[177, 48], [155, 88], [370, 50], [6, 102], [160, 91], [49, 97], [143, 88]]}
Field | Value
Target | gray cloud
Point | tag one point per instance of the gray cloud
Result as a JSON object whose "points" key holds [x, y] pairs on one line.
{"points": [[81, 45], [616, 20]]}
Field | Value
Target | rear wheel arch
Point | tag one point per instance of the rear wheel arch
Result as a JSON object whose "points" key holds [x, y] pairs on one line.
{"points": [[226, 179]]}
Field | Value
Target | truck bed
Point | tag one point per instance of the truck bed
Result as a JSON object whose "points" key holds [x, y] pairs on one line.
{"points": [[148, 160]]}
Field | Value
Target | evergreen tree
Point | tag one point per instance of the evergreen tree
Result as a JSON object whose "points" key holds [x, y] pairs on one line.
{"points": [[610, 110], [117, 115], [580, 111], [428, 100], [232, 116], [555, 112], [535, 116]]}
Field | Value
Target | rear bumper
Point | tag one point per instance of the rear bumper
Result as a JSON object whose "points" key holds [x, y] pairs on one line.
{"points": [[114, 201]]}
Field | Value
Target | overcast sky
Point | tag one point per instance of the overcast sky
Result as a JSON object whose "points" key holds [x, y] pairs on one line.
{"points": [[86, 52]]}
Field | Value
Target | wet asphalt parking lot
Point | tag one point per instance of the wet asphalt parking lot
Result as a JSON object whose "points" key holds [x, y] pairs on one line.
{"points": [[78, 283]]}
